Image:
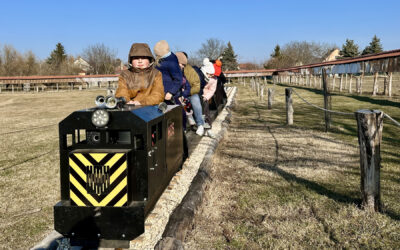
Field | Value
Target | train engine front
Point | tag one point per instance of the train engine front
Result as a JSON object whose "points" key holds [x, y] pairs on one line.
{"points": [[115, 162]]}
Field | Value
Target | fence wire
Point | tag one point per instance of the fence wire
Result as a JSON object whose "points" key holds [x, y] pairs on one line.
{"points": [[327, 110], [22, 130], [342, 113], [393, 120], [27, 160]]}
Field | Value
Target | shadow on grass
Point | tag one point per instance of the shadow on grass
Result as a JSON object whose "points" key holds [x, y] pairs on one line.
{"points": [[373, 101], [342, 198], [311, 185]]}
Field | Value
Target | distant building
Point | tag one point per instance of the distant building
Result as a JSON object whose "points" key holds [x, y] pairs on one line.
{"points": [[83, 65], [249, 66], [332, 56]]}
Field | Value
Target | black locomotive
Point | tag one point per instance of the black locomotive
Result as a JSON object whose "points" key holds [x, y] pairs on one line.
{"points": [[115, 162]]}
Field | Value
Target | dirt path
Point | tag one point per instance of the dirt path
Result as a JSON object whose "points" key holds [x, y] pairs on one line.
{"points": [[282, 187]]}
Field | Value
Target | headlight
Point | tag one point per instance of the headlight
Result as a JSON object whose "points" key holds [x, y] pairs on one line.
{"points": [[100, 101], [100, 118], [111, 102]]}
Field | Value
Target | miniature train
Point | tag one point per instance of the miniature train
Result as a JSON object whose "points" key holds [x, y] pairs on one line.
{"points": [[115, 162]]}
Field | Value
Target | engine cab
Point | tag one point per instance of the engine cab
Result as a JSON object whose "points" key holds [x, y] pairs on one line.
{"points": [[114, 165]]}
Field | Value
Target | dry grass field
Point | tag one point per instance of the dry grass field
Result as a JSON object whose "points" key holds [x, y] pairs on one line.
{"points": [[297, 187], [29, 162], [274, 186]]}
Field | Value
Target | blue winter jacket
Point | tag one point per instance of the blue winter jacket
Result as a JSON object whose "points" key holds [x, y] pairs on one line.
{"points": [[171, 74]]}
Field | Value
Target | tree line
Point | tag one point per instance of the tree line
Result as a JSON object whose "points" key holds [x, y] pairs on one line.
{"points": [[213, 49], [103, 60], [100, 60], [298, 53]]}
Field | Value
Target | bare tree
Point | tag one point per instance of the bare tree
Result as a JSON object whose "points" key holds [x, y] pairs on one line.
{"points": [[101, 58], [194, 59], [31, 65], [299, 53], [11, 61], [212, 48]]}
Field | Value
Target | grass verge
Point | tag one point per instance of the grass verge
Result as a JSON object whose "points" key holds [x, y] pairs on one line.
{"points": [[283, 187]]}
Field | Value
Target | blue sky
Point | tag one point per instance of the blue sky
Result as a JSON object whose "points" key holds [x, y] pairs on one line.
{"points": [[253, 27]]}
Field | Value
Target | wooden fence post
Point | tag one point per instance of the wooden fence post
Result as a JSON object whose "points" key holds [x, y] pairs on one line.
{"points": [[375, 87], [341, 83], [361, 82], [289, 106], [370, 125], [333, 82], [385, 87], [320, 82], [262, 93], [390, 84], [270, 97], [327, 101], [315, 83], [351, 81]]}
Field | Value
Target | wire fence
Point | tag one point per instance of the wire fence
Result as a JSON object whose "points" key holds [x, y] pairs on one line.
{"points": [[369, 133], [253, 85], [27, 160], [32, 128], [393, 120], [327, 110]]}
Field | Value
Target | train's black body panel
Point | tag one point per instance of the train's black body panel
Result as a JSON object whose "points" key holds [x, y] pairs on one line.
{"points": [[112, 176]]}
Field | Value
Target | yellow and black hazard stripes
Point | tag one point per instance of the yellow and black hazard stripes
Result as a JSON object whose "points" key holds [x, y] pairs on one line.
{"points": [[98, 179]]}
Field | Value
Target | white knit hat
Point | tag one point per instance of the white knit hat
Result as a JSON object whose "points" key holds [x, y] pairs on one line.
{"points": [[207, 67]]}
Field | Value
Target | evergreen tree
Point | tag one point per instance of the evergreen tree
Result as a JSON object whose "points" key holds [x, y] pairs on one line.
{"points": [[349, 49], [375, 46], [229, 58], [277, 52], [57, 56]]}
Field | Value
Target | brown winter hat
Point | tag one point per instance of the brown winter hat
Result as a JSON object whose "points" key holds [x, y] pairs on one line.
{"points": [[182, 59], [161, 48], [140, 49]]}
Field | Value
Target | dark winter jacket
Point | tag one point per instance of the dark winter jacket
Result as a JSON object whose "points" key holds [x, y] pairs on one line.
{"points": [[171, 74], [185, 87]]}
